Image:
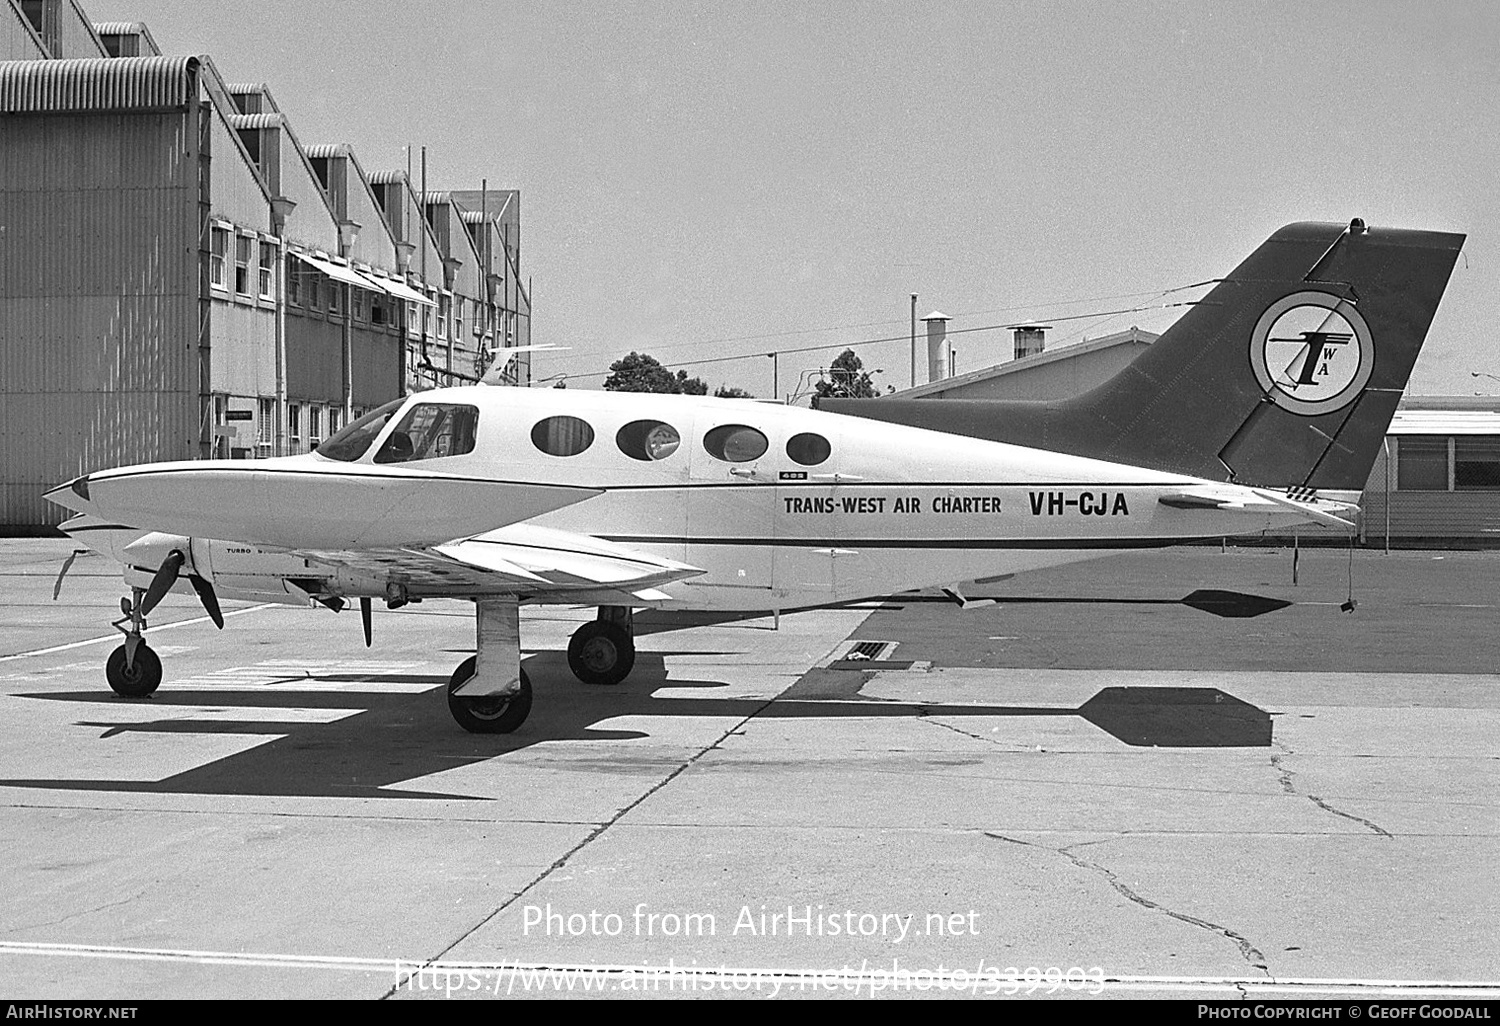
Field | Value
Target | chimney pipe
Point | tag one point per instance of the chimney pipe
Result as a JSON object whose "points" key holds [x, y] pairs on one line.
{"points": [[937, 345], [1030, 339]]}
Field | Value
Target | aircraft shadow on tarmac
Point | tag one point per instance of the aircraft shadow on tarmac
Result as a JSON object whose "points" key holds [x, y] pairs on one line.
{"points": [[1229, 604], [389, 738], [1218, 602]]}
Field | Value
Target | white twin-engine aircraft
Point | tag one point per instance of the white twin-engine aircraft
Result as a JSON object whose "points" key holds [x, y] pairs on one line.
{"points": [[505, 496]]}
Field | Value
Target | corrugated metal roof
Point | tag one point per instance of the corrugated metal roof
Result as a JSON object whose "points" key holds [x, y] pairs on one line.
{"points": [[1445, 422], [241, 88], [119, 28], [322, 151], [238, 121], [386, 177], [98, 84]]}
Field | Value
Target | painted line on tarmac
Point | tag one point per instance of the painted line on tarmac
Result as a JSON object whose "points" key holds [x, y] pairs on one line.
{"points": [[988, 980], [117, 637]]}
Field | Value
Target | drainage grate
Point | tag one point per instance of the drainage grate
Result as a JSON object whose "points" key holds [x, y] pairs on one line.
{"points": [[872, 650], [869, 656]]}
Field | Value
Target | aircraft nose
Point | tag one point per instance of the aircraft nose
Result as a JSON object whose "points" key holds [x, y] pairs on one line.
{"points": [[74, 495]]}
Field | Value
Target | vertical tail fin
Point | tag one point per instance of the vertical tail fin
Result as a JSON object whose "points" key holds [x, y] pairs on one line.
{"points": [[1285, 374]]}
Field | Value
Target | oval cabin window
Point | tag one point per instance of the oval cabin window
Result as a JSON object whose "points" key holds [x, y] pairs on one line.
{"points": [[562, 436], [735, 443], [648, 440], [808, 449]]}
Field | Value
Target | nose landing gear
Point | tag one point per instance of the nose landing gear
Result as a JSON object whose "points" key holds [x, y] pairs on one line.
{"points": [[133, 670]]}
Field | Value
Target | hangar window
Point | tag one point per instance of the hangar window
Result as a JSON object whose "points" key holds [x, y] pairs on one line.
{"points": [[352, 442], [808, 449], [1421, 464], [266, 267], [1476, 463], [244, 246], [562, 436], [431, 431], [648, 440], [735, 443], [218, 251]]}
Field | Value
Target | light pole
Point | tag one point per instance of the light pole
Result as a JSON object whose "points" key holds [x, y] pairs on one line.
{"points": [[348, 234]]}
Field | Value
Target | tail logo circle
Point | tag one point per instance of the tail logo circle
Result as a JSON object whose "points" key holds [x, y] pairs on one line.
{"points": [[1311, 353]]}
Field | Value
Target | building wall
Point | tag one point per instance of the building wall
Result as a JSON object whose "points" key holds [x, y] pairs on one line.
{"points": [[1468, 515], [75, 34], [99, 269], [17, 40]]}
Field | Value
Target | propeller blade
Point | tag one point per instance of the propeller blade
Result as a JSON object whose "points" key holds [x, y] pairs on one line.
{"points": [[163, 581], [364, 617], [208, 598]]}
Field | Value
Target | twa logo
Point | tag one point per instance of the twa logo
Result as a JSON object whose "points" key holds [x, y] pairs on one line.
{"points": [[1311, 353]]}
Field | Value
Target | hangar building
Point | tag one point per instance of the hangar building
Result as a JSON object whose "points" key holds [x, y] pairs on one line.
{"points": [[182, 276], [1436, 482]]}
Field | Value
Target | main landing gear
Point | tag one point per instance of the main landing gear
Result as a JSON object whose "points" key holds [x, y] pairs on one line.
{"points": [[603, 650], [489, 693]]}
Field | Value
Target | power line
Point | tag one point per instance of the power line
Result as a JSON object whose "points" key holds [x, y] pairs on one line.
{"points": [[1040, 305], [903, 338]]}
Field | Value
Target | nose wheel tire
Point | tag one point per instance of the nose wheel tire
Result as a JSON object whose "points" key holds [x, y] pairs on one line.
{"points": [[138, 680], [499, 714], [601, 652]]}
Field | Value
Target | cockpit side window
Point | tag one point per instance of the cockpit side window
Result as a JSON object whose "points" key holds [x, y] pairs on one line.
{"points": [[350, 444], [430, 431]]}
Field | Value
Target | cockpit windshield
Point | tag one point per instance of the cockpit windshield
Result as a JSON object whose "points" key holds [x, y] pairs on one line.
{"points": [[350, 444], [431, 431]]}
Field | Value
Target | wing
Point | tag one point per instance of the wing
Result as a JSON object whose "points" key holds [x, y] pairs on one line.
{"points": [[540, 563]]}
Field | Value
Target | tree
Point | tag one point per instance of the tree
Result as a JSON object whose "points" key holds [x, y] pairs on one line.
{"points": [[847, 379], [732, 392], [639, 372], [691, 386]]}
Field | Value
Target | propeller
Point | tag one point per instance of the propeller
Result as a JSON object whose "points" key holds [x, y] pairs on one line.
{"points": [[166, 576], [364, 616]]}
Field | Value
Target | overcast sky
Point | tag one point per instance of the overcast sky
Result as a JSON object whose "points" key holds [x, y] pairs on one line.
{"points": [[710, 179]]}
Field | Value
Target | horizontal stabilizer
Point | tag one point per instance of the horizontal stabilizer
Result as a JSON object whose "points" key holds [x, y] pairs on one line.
{"points": [[1256, 500]]}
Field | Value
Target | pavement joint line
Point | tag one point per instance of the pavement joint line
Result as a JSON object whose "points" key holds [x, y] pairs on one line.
{"points": [[117, 637], [355, 963], [1248, 951], [602, 827]]}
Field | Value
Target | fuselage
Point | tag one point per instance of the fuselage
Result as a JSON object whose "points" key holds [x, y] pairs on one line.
{"points": [[779, 506]]}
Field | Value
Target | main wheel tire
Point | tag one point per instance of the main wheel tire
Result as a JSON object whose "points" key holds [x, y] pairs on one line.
{"points": [[601, 652], [498, 715], [136, 681]]}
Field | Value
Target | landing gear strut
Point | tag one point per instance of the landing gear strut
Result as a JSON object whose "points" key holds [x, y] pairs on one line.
{"points": [[133, 670], [602, 651], [489, 693]]}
